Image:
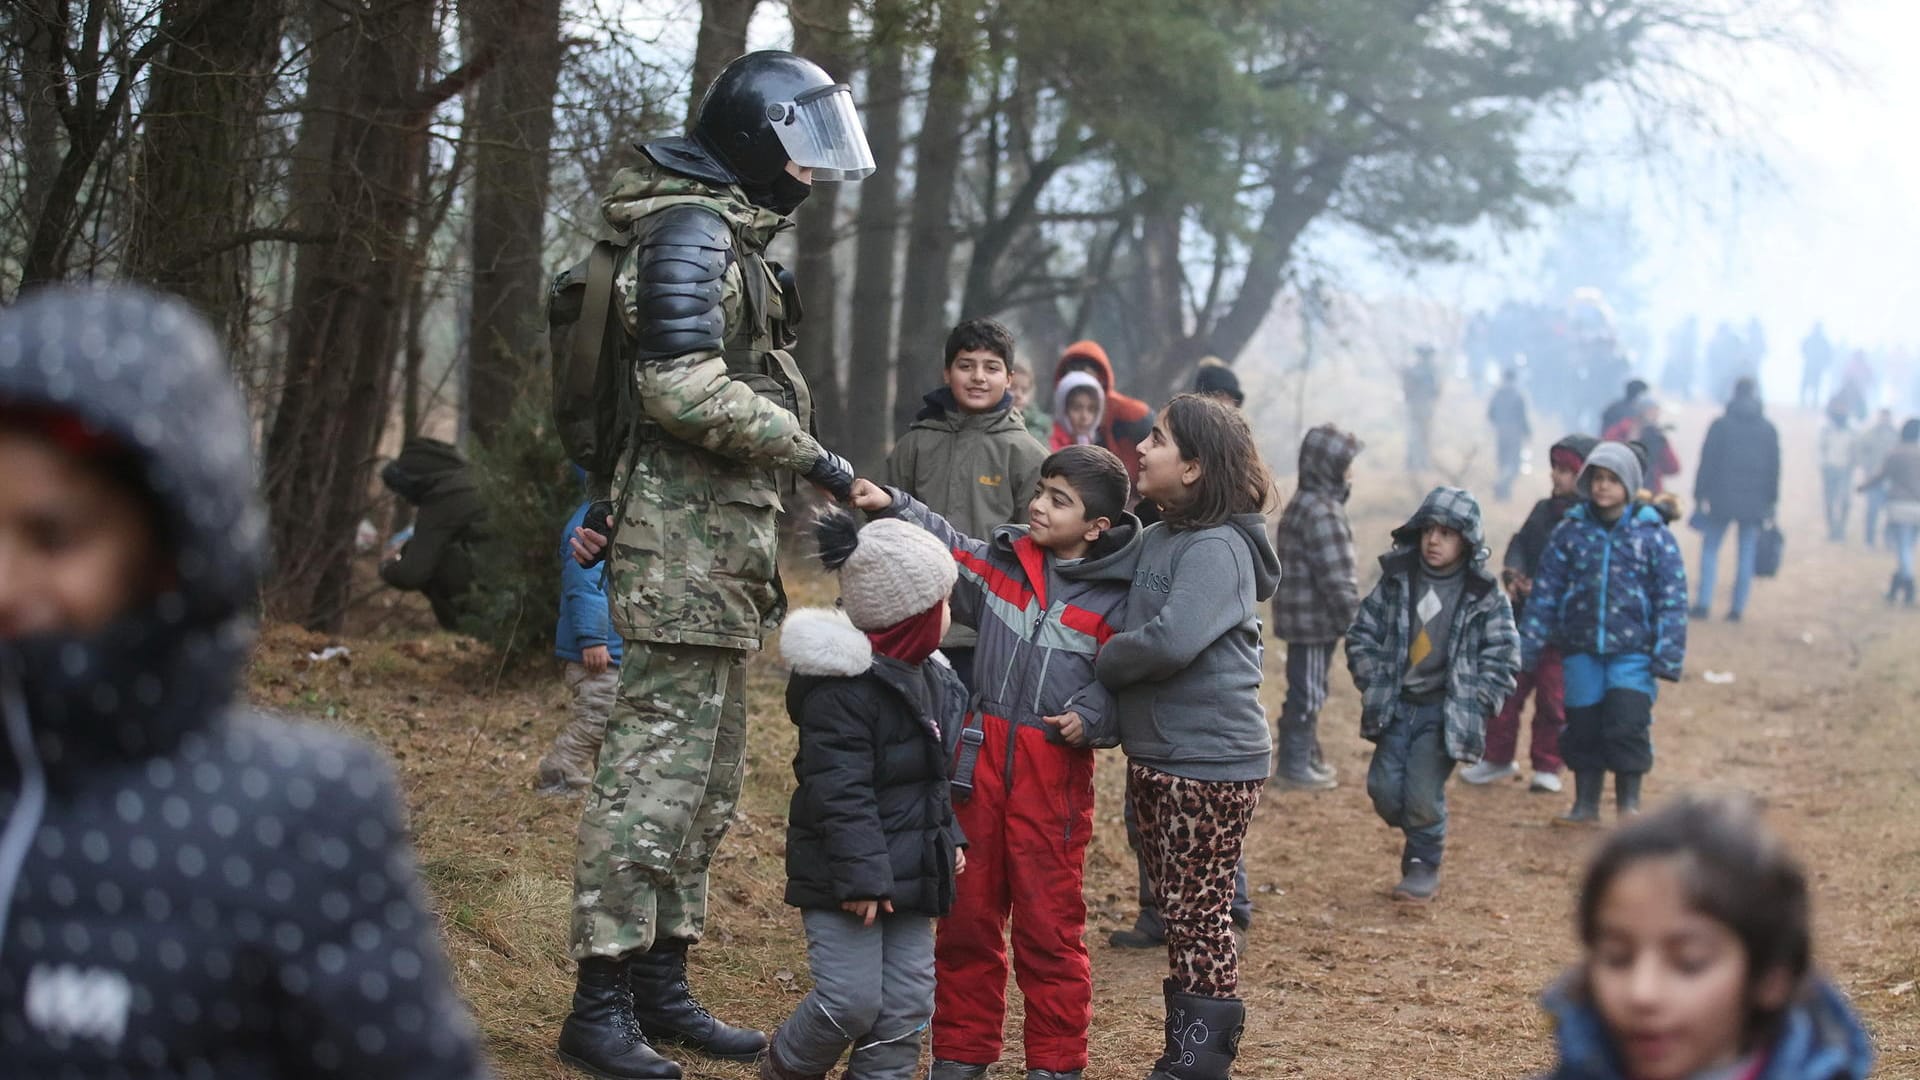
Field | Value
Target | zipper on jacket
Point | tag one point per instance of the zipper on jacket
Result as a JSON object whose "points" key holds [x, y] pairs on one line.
{"points": [[1606, 579]]}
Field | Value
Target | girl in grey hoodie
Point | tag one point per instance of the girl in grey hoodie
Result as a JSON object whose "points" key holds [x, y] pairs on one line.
{"points": [[1186, 674]]}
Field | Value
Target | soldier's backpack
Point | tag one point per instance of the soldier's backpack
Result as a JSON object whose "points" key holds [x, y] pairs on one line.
{"points": [[595, 406]]}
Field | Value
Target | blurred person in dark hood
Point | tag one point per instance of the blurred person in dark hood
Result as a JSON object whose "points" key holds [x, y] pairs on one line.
{"points": [[187, 888], [434, 478]]}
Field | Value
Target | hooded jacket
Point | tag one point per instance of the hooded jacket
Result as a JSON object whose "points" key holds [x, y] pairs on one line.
{"points": [[1610, 590], [1063, 433], [978, 470], [1739, 475], [870, 817], [1126, 422], [1483, 647], [1819, 1039], [1185, 668], [1319, 589], [190, 888], [433, 477], [1040, 622]]}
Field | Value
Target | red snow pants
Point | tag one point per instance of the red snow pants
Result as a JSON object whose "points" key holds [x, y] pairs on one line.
{"points": [[1547, 682], [1027, 840]]}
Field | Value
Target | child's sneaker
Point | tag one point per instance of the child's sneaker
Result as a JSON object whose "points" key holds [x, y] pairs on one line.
{"points": [[957, 1070], [1546, 782], [1419, 880], [1488, 772]]}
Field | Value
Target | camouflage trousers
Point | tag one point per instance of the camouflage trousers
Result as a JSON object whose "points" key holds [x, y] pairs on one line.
{"points": [[663, 796]]}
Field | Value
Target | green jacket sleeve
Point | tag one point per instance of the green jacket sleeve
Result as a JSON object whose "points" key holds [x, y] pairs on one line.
{"points": [[693, 398]]}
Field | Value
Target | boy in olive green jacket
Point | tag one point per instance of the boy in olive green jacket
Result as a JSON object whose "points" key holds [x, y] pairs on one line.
{"points": [[968, 455]]}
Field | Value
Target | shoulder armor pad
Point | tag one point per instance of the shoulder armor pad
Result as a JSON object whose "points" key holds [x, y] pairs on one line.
{"points": [[680, 267]]}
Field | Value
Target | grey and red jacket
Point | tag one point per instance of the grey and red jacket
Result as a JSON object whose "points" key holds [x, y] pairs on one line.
{"points": [[1041, 622]]}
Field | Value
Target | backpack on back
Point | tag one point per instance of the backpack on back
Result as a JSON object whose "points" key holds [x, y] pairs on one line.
{"points": [[595, 407]]}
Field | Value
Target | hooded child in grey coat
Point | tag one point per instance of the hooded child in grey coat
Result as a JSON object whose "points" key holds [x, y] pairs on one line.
{"points": [[1434, 652]]}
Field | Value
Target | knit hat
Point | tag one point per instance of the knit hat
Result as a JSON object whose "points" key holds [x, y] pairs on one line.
{"points": [[1618, 459], [1215, 377], [889, 571]]}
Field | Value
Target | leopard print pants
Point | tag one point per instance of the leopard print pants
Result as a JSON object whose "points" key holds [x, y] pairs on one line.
{"points": [[1191, 832]]}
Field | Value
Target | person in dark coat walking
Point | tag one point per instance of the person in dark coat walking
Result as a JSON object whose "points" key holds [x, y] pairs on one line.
{"points": [[1627, 406], [1738, 483], [1507, 412], [188, 888], [873, 847]]}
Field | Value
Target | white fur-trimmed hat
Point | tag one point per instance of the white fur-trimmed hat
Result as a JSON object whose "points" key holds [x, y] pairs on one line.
{"points": [[889, 571]]}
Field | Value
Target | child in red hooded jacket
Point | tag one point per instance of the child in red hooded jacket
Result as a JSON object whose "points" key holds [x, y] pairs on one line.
{"points": [[1125, 422]]}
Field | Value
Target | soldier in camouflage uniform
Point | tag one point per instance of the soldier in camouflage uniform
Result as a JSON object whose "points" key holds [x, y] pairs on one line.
{"points": [[695, 584]]}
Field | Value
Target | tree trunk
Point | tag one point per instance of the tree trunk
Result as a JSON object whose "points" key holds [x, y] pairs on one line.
{"points": [[89, 118], [513, 134], [343, 324], [870, 365], [723, 36], [190, 192], [1160, 299], [930, 234], [822, 34], [44, 145]]}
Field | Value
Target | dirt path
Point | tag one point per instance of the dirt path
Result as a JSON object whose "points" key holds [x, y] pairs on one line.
{"points": [[1820, 719]]}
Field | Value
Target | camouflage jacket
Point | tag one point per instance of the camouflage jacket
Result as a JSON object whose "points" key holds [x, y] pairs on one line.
{"points": [[694, 560]]}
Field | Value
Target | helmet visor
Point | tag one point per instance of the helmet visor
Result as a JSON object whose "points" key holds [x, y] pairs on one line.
{"points": [[821, 131]]}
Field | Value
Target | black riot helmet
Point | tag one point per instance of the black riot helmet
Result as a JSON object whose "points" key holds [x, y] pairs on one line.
{"points": [[769, 107]]}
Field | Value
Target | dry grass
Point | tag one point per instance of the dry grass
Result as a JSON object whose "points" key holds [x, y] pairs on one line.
{"points": [[1341, 982]]}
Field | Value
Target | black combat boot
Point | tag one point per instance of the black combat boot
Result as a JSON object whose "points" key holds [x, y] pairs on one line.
{"points": [[1587, 784], [1203, 1037], [1626, 793], [668, 1011], [601, 1036]]}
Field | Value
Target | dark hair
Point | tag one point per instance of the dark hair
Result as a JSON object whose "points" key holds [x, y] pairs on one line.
{"points": [[1093, 390], [1745, 388], [1910, 431], [985, 335], [96, 450], [1636, 387], [1734, 871], [1233, 479], [1095, 474]]}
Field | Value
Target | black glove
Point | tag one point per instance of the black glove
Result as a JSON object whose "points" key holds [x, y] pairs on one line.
{"points": [[832, 472]]}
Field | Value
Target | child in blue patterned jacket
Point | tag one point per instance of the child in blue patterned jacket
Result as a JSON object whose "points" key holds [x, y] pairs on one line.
{"points": [[1611, 595]]}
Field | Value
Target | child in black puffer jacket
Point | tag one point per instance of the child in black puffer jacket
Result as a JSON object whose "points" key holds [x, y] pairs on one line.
{"points": [[872, 845], [187, 888]]}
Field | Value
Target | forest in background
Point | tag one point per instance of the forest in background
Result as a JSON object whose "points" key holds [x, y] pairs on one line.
{"points": [[368, 197]]}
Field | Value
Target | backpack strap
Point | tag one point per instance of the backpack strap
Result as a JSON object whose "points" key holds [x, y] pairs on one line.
{"points": [[591, 333]]}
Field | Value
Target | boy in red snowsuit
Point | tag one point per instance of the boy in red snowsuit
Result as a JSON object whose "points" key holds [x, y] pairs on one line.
{"points": [[1045, 597]]}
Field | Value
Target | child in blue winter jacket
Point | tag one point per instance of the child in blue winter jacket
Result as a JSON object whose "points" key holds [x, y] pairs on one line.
{"points": [[1611, 595], [1699, 960], [585, 638]]}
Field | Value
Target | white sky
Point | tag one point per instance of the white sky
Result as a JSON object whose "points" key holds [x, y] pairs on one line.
{"points": [[1836, 237]]}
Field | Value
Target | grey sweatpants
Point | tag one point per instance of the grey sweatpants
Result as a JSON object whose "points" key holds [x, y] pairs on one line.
{"points": [[872, 990]]}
